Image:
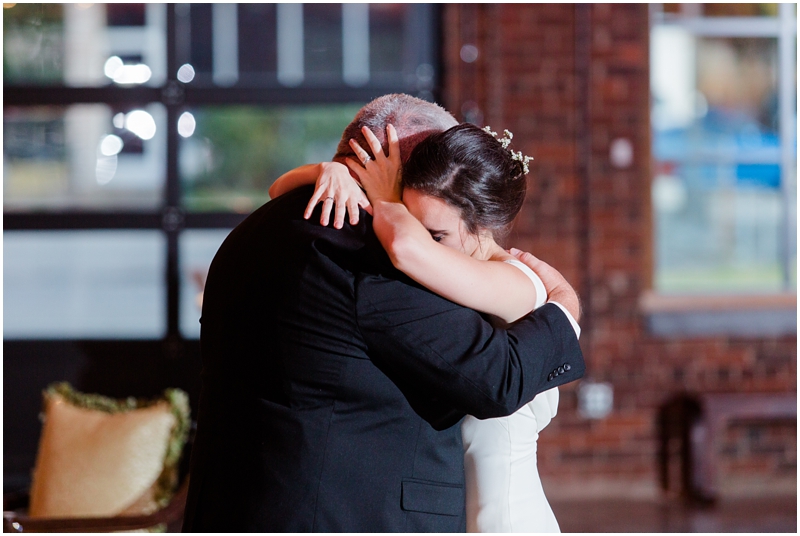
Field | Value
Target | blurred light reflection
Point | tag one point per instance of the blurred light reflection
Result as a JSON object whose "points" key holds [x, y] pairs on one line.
{"points": [[141, 123], [112, 65], [186, 124], [111, 145], [186, 73], [133, 74], [105, 169], [121, 73]]}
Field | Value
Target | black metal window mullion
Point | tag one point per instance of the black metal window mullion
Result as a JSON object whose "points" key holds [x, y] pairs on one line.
{"points": [[173, 218]]}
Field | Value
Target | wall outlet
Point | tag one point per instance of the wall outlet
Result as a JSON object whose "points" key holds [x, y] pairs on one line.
{"points": [[595, 399]]}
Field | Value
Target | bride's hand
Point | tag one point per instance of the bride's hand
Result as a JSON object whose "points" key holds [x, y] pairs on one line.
{"points": [[379, 175], [335, 186], [558, 288]]}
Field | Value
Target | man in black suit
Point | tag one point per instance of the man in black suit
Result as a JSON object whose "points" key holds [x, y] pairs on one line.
{"points": [[333, 385]]}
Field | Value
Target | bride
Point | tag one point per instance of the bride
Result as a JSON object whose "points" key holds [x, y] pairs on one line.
{"points": [[440, 221]]}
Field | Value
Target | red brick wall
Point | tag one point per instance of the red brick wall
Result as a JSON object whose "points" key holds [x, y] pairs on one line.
{"points": [[567, 80]]}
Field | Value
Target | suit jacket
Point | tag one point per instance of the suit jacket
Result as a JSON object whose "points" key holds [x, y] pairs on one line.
{"points": [[333, 385]]}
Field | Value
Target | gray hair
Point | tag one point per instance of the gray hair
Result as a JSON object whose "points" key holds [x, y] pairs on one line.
{"points": [[413, 118]]}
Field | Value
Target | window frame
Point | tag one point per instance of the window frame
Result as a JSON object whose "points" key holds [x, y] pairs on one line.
{"points": [[743, 315], [170, 217]]}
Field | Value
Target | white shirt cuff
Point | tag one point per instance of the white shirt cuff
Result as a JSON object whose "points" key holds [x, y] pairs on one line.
{"points": [[572, 321]]}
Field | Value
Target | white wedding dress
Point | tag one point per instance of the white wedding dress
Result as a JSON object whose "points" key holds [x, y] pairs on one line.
{"points": [[504, 493]]}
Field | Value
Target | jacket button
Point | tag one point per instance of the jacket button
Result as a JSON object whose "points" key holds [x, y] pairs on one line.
{"points": [[561, 370], [550, 377], [566, 366]]}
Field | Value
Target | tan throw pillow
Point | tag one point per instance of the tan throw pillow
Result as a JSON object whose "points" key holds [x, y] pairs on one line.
{"points": [[103, 457]]}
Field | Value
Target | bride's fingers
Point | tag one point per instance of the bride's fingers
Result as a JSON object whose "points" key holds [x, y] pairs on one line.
{"points": [[327, 205], [338, 218], [310, 207], [352, 209], [312, 203], [358, 169], [361, 154], [373, 141], [394, 141]]}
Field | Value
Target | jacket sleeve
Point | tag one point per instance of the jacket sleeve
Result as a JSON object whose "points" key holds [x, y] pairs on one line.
{"points": [[449, 361]]}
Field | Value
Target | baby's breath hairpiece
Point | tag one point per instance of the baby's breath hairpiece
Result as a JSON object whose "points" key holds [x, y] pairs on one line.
{"points": [[505, 141]]}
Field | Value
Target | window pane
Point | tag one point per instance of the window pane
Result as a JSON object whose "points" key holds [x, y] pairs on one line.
{"points": [[83, 284], [714, 240], [234, 153], [83, 156], [718, 204], [197, 249], [386, 26], [322, 42], [720, 85], [792, 230], [84, 44], [258, 53], [330, 45]]}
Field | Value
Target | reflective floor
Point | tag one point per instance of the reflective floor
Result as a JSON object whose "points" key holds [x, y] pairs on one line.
{"points": [[774, 514]]}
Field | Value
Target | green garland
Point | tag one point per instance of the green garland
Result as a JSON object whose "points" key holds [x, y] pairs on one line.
{"points": [[178, 402]]}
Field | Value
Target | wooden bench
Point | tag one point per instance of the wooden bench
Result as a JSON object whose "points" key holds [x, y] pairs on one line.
{"points": [[690, 431]]}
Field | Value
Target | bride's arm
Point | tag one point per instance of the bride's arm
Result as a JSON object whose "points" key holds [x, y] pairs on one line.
{"points": [[295, 178], [334, 187], [491, 287]]}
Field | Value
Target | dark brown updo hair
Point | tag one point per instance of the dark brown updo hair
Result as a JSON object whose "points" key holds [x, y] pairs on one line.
{"points": [[470, 170]]}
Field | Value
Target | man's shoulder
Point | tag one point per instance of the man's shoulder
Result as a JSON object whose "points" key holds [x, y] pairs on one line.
{"points": [[290, 205], [273, 218], [280, 225]]}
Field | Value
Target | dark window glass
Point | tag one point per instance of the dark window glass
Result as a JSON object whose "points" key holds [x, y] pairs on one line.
{"points": [[386, 26], [125, 14], [200, 35], [308, 45], [257, 44], [322, 42]]}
